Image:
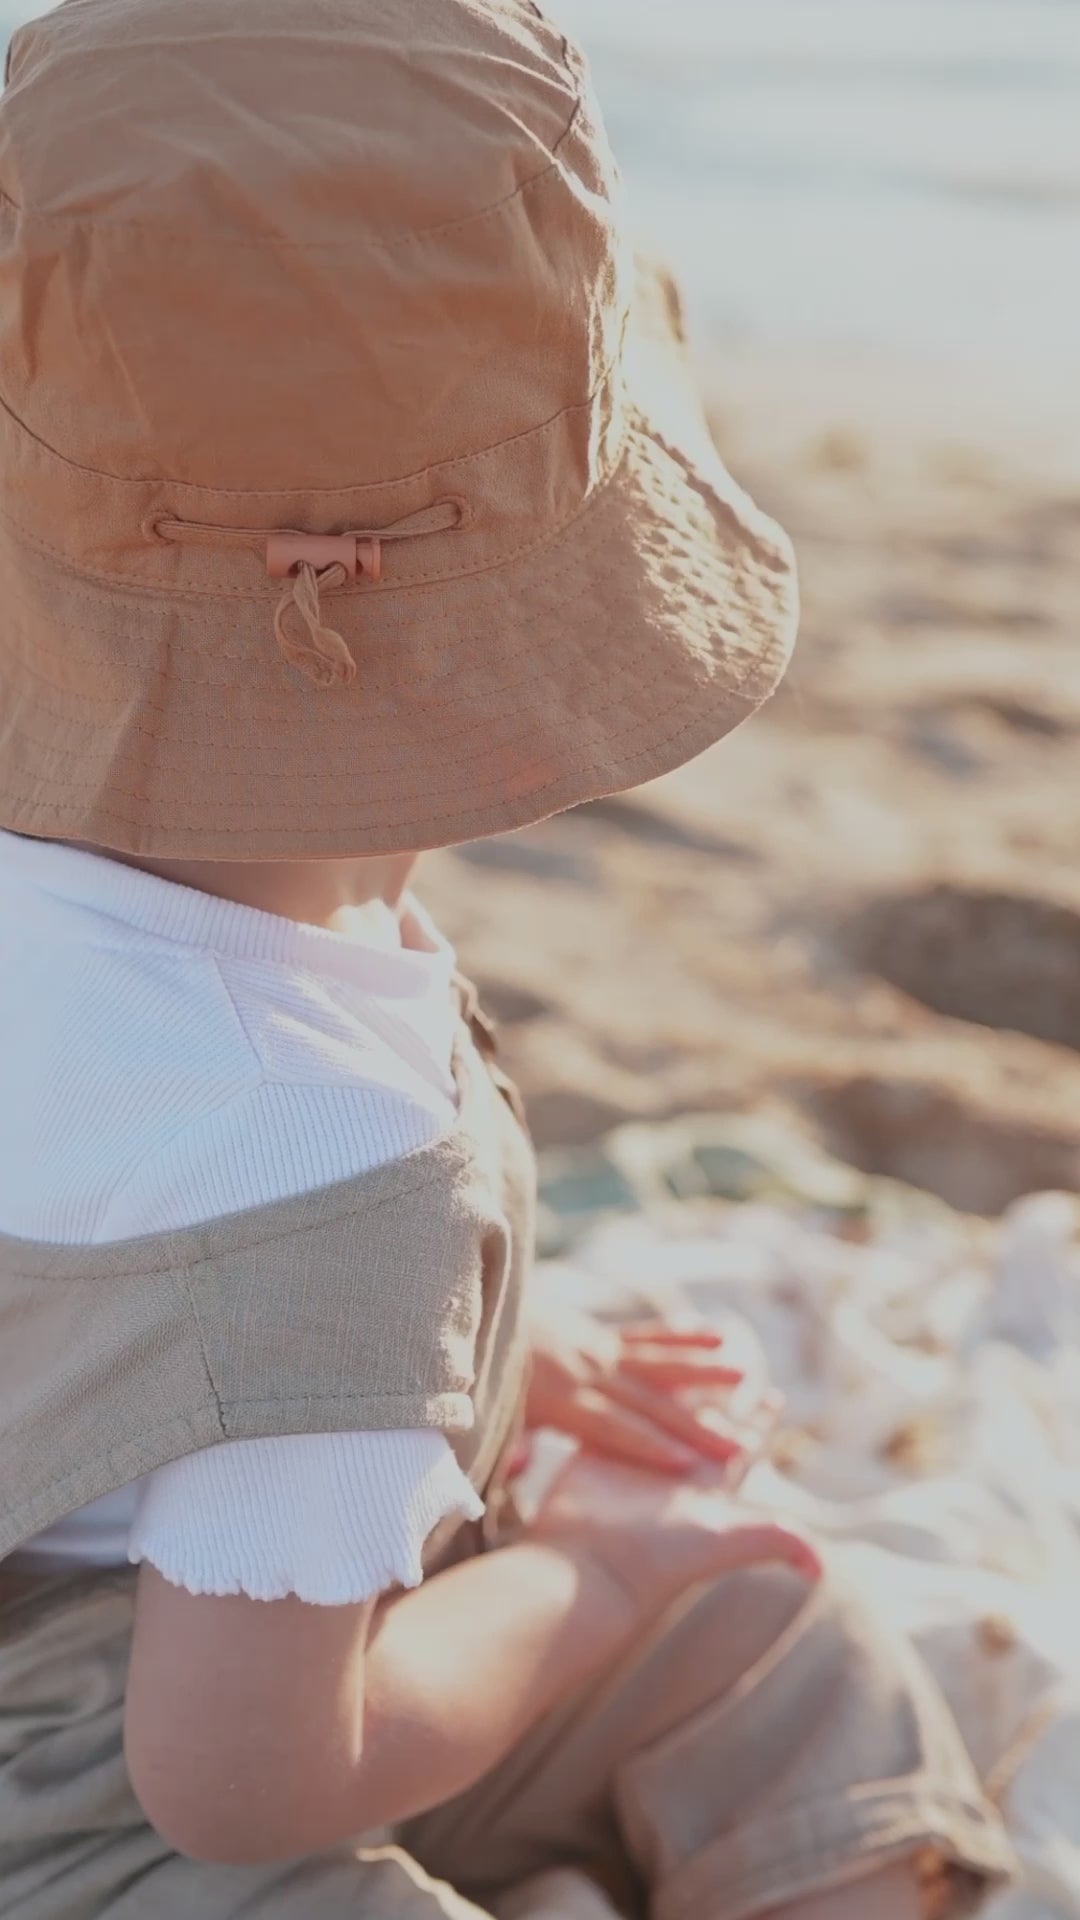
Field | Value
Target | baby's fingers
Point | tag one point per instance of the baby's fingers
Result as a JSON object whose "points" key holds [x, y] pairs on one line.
{"points": [[704, 1431], [680, 1366], [605, 1427], [767, 1543], [671, 1333]]}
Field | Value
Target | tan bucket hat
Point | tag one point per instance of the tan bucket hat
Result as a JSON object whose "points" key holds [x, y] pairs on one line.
{"points": [[354, 495]]}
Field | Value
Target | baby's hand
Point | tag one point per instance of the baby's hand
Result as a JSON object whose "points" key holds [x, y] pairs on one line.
{"points": [[650, 1395], [656, 1539]]}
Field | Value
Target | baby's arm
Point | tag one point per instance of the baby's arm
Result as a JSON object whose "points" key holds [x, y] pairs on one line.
{"points": [[256, 1731], [262, 1730]]}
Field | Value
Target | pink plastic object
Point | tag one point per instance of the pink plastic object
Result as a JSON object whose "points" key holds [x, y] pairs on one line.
{"points": [[287, 551], [369, 558]]}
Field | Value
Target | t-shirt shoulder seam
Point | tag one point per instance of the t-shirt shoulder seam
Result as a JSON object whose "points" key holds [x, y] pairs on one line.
{"points": [[241, 1024], [269, 1078]]}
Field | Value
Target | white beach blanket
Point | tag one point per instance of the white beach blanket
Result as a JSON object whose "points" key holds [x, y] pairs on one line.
{"points": [[933, 1385]]}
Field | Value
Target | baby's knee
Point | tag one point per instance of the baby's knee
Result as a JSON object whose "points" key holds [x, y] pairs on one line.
{"points": [[750, 1611], [815, 1653]]}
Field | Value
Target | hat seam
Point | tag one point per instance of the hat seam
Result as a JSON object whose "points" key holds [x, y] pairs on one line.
{"points": [[360, 487], [322, 775], [522, 623], [137, 587], [388, 685], [732, 693], [544, 176], [593, 537], [653, 754], [383, 687], [483, 724], [371, 684]]}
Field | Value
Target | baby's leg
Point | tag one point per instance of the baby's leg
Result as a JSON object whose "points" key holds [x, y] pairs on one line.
{"points": [[767, 1750]]}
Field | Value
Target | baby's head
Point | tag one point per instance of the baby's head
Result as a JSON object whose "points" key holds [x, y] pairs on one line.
{"points": [[354, 495]]}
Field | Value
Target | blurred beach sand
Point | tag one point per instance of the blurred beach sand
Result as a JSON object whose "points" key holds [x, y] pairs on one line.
{"points": [[861, 913]]}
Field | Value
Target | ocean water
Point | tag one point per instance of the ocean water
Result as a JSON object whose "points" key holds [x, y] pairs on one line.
{"points": [[858, 175]]}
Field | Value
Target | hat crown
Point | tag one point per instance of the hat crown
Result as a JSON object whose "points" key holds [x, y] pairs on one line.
{"points": [[287, 247]]}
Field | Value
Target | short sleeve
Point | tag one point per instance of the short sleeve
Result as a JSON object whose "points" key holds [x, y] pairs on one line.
{"points": [[334, 1518]]}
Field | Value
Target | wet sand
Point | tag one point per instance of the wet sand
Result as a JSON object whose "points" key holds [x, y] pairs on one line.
{"points": [[861, 914]]}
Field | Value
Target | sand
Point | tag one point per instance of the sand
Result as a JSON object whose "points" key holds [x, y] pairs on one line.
{"points": [[861, 914]]}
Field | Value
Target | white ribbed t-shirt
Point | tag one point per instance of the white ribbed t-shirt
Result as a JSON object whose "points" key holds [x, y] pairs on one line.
{"points": [[170, 1058]]}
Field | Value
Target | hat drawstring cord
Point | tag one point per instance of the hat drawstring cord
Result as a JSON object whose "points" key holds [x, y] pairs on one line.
{"points": [[323, 657], [310, 564]]}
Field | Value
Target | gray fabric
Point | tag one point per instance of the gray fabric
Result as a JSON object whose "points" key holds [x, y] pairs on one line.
{"points": [[391, 1300]]}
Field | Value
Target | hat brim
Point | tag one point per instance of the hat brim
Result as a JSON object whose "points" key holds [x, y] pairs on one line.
{"points": [[645, 630]]}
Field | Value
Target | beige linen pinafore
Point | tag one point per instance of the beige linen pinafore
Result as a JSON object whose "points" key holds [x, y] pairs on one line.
{"points": [[759, 1742]]}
